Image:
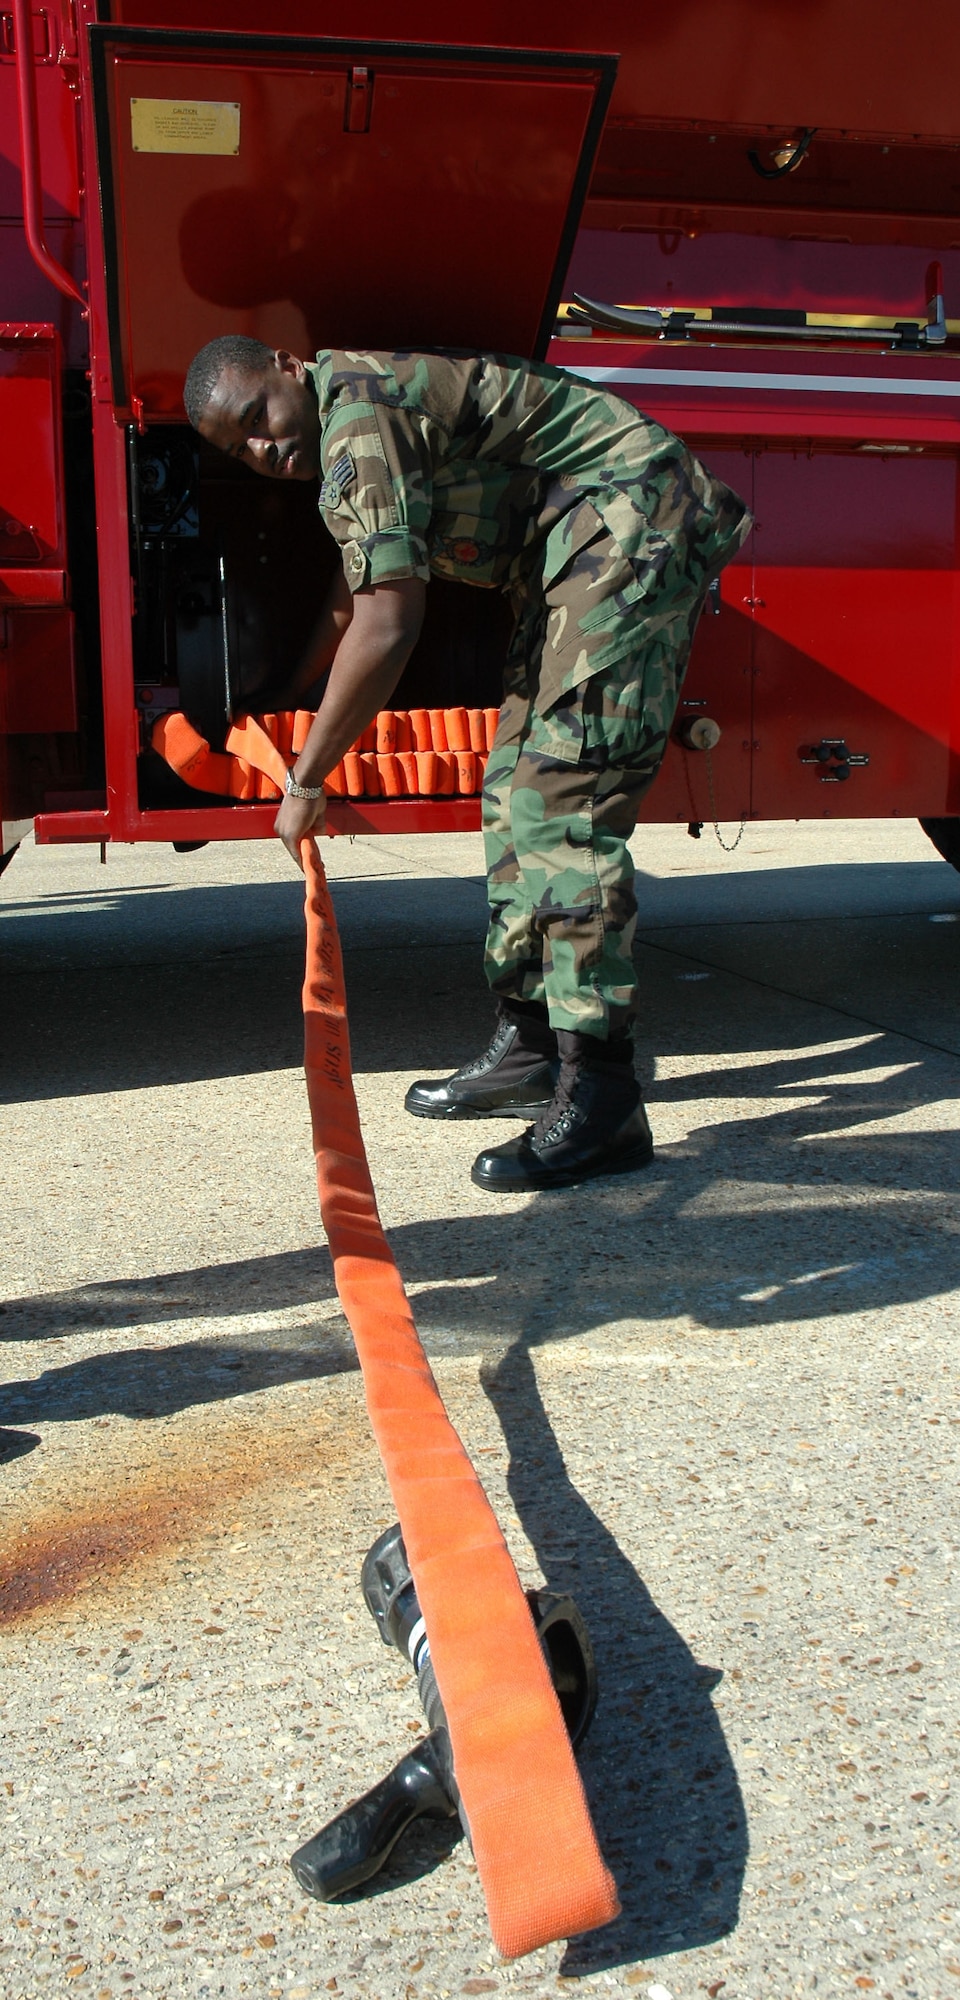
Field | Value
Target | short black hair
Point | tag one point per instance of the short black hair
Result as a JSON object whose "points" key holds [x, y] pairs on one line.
{"points": [[230, 350]]}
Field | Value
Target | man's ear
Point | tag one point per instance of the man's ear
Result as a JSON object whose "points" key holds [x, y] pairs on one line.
{"points": [[288, 364]]}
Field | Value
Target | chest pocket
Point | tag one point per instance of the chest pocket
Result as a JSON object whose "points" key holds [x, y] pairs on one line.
{"points": [[480, 520]]}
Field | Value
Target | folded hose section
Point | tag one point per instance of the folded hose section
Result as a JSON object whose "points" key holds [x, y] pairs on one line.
{"points": [[542, 1872], [404, 754]]}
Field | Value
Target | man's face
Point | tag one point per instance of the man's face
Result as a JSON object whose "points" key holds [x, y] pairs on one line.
{"points": [[268, 419]]}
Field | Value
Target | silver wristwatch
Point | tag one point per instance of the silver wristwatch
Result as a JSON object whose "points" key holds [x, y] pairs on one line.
{"points": [[295, 791]]}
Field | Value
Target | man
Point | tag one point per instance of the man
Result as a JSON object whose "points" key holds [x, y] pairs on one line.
{"points": [[606, 533]]}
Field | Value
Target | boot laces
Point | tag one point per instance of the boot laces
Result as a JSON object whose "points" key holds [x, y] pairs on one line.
{"points": [[480, 1063], [559, 1117], [585, 1092]]}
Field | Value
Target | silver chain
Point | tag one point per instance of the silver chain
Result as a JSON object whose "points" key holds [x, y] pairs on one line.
{"points": [[729, 846]]}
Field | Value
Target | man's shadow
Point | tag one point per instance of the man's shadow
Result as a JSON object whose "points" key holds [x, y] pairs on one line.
{"points": [[661, 1783], [16, 1444]]}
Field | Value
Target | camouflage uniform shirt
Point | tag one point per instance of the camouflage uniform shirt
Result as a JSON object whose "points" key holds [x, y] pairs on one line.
{"points": [[496, 471]]}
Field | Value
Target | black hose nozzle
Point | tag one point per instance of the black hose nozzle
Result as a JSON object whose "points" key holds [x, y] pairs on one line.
{"points": [[355, 1845]]}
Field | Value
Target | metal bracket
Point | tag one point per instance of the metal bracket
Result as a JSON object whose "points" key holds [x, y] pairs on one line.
{"points": [[32, 176]]}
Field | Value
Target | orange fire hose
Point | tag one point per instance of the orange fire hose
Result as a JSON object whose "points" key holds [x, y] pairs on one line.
{"points": [[541, 1870], [536, 1852]]}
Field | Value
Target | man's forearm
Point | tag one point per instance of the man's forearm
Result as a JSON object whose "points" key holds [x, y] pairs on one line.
{"points": [[369, 660]]}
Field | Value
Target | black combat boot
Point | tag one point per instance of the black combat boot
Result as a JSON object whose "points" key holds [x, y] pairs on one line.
{"points": [[594, 1124], [514, 1077]]}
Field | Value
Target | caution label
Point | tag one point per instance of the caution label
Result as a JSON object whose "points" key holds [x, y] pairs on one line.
{"points": [[183, 125]]}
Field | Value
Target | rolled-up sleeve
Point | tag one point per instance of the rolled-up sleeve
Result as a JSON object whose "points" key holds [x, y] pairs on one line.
{"points": [[376, 493]]}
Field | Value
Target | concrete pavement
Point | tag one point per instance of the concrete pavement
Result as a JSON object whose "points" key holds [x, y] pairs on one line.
{"points": [[716, 1399]]}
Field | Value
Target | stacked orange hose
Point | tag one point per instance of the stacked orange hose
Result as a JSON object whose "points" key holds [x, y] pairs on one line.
{"points": [[435, 753]]}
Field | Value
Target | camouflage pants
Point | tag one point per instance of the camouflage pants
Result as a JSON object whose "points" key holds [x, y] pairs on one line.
{"points": [[590, 700]]}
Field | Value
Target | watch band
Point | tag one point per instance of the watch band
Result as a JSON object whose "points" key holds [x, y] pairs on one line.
{"points": [[295, 791]]}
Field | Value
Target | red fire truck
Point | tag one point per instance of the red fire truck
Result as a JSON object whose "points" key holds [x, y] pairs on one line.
{"points": [[740, 214]]}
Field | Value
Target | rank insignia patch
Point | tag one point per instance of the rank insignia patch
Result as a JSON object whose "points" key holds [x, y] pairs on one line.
{"points": [[337, 480]]}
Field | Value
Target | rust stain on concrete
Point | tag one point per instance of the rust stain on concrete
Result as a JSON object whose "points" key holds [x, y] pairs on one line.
{"points": [[60, 1554]]}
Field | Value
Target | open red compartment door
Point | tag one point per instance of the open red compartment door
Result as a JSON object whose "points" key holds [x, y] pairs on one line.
{"points": [[319, 193]]}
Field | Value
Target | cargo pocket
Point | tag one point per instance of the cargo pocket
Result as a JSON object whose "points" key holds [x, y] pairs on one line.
{"points": [[593, 603], [594, 607]]}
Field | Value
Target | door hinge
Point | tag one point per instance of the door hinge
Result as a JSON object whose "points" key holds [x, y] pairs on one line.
{"points": [[359, 99]]}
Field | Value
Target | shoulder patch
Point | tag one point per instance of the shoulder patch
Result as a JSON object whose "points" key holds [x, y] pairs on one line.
{"points": [[339, 477]]}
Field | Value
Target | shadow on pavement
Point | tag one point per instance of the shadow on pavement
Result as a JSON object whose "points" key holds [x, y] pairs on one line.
{"points": [[16, 1444], [856, 1215], [160, 1381], [171, 988], [661, 1783], [253, 1285]]}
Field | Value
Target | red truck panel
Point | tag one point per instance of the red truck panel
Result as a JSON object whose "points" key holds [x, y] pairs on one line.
{"points": [[844, 610], [37, 688], [847, 64], [32, 543]]}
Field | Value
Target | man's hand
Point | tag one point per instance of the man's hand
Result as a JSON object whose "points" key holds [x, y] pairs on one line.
{"points": [[297, 817]]}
